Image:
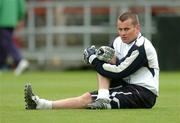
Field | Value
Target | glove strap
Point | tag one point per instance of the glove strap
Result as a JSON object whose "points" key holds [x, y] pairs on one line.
{"points": [[91, 58]]}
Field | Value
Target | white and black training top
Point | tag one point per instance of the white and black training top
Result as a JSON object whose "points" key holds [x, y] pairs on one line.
{"points": [[138, 63]]}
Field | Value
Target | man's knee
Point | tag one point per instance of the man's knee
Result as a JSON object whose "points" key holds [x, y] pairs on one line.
{"points": [[85, 98]]}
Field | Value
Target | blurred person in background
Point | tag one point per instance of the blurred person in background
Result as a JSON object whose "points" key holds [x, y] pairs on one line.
{"points": [[12, 13]]}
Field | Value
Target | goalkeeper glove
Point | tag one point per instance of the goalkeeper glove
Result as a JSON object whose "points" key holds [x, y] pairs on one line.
{"points": [[105, 53], [88, 52]]}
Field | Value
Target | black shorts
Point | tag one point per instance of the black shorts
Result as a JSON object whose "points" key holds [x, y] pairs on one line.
{"points": [[129, 96]]}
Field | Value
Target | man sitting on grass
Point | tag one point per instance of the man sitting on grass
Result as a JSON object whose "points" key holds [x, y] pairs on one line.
{"points": [[127, 73]]}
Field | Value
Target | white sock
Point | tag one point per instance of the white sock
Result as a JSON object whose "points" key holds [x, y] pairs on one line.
{"points": [[42, 103], [103, 94]]}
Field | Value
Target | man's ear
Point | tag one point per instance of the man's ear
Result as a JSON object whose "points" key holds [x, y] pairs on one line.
{"points": [[138, 28]]}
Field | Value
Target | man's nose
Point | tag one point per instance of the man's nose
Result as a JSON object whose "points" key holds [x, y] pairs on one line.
{"points": [[123, 32]]}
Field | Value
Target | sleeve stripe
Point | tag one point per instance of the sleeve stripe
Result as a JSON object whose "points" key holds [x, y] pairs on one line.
{"points": [[125, 64]]}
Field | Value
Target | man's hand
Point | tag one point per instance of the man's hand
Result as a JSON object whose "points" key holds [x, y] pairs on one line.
{"points": [[105, 53], [88, 52]]}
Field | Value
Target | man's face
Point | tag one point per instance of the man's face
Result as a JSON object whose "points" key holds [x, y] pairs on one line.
{"points": [[127, 31]]}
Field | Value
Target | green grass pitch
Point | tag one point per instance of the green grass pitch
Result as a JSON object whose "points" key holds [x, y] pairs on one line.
{"points": [[64, 84]]}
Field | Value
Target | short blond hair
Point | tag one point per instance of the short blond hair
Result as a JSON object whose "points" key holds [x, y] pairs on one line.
{"points": [[129, 15]]}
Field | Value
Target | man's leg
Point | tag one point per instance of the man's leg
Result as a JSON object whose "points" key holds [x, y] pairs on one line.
{"points": [[83, 101], [75, 102], [103, 100], [103, 86], [104, 83], [34, 102], [3, 53], [10, 48], [7, 34], [3, 56]]}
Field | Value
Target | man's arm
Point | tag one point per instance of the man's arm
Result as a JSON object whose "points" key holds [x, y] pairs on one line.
{"points": [[135, 59]]}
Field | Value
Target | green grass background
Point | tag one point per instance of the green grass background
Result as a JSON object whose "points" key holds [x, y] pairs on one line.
{"points": [[64, 84]]}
